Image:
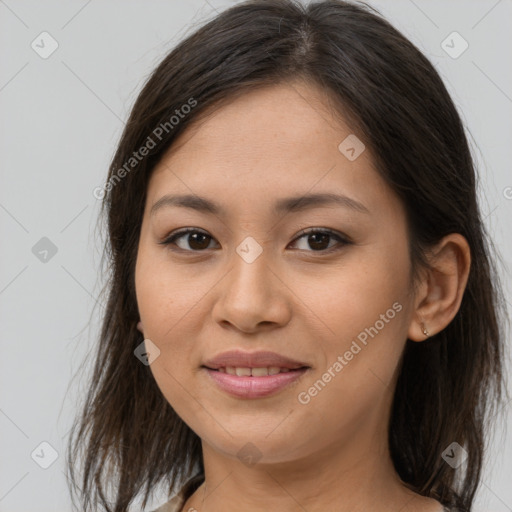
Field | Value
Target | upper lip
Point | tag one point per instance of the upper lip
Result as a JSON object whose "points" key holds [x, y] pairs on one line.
{"points": [[262, 359]]}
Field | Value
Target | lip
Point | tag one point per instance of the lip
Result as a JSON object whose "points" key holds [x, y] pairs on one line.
{"points": [[250, 387], [261, 359], [254, 387]]}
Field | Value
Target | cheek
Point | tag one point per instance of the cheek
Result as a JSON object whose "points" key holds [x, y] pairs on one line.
{"points": [[356, 382], [161, 306], [167, 304], [164, 294], [367, 309], [152, 295], [365, 288]]}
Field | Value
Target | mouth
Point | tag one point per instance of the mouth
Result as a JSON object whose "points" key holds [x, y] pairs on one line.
{"points": [[242, 383], [258, 371], [251, 375]]}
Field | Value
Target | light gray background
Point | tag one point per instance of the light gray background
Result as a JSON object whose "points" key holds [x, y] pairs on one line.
{"points": [[61, 119]]}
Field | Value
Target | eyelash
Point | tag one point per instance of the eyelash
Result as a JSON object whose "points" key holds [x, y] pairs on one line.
{"points": [[343, 240]]}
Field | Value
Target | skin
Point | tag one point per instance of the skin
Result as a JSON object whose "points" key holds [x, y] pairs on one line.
{"points": [[309, 304]]}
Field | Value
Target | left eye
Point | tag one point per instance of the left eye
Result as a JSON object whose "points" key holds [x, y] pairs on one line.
{"points": [[199, 240], [316, 239]]}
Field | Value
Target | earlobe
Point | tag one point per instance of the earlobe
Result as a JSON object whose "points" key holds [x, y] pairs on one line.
{"points": [[140, 328], [420, 331], [444, 284]]}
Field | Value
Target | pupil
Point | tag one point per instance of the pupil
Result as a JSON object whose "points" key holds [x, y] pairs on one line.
{"points": [[194, 237], [314, 236]]}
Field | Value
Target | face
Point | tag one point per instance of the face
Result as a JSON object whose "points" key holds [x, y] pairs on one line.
{"points": [[324, 284]]}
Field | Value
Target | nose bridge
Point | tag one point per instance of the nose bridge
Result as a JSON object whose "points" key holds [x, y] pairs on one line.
{"points": [[251, 294], [250, 269]]}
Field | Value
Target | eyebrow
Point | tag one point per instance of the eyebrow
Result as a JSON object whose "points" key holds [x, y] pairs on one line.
{"points": [[281, 206]]}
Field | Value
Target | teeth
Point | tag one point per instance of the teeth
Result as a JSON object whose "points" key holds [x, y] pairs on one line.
{"points": [[255, 372], [259, 372]]}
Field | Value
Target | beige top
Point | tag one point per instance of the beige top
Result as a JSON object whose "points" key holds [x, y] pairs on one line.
{"points": [[177, 502]]}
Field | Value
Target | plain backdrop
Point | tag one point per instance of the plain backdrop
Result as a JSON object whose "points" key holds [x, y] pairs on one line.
{"points": [[61, 117]]}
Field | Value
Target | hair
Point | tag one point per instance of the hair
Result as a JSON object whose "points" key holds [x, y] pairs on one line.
{"points": [[448, 387]]}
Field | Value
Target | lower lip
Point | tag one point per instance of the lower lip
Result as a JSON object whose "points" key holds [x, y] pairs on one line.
{"points": [[254, 387]]}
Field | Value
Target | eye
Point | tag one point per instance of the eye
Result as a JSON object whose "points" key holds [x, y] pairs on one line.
{"points": [[197, 240], [317, 239]]}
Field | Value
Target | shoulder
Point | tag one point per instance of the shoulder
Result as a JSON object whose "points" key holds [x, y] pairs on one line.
{"points": [[177, 502]]}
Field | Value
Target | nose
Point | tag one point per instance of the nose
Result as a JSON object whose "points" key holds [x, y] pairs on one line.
{"points": [[252, 296]]}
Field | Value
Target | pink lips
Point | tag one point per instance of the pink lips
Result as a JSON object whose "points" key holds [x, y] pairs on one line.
{"points": [[253, 386], [260, 359]]}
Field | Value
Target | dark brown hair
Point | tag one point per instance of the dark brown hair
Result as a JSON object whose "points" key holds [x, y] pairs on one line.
{"points": [[129, 436]]}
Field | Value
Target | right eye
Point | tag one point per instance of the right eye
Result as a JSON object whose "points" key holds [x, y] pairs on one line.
{"points": [[196, 239]]}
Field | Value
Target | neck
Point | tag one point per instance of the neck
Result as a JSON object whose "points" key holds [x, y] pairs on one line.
{"points": [[342, 478]]}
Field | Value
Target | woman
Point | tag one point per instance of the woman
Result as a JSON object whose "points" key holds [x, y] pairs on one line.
{"points": [[303, 311]]}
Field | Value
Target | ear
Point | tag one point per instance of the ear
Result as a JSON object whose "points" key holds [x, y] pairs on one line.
{"points": [[441, 288], [140, 328]]}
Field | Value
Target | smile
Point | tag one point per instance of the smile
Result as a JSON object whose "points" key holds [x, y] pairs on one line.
{"points": [[251, 383]]}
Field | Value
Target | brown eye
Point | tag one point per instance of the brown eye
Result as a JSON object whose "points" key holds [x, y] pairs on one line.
{"points": [[318, 240], [196, 240]]}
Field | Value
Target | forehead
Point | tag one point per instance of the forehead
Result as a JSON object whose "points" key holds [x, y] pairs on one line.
{"points": [[275, 123], [279, 138]]}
